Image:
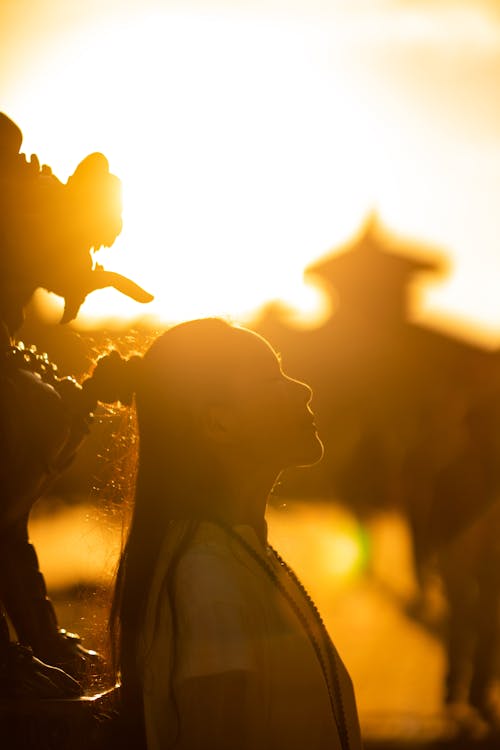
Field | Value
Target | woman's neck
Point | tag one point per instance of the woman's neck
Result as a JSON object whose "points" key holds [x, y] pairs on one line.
{"points": [[247, 495]]}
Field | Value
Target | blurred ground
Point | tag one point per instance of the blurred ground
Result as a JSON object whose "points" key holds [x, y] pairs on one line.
{"points": [[360, 577]]}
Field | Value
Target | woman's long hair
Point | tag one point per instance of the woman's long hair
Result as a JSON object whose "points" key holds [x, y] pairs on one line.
{"points": [[186, 368]]}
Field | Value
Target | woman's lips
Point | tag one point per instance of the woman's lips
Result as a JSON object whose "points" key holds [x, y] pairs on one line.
{"points": [[308, 423]]}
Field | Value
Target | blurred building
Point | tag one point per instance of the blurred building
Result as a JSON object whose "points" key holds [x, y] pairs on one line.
{"points": [[400, 406], [410, 421]]}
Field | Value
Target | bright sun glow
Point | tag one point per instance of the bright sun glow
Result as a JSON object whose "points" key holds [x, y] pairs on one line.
{"points": [[250, 144], [229, 139]]}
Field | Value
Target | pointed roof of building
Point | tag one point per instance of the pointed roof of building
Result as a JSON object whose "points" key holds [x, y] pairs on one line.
{"points": [[377, 254]]}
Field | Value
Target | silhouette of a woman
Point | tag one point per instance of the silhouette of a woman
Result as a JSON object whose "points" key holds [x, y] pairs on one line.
{"points": [[217, 643]]}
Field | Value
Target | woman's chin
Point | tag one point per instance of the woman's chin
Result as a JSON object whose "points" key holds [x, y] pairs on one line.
{"points": [[311, 454]]}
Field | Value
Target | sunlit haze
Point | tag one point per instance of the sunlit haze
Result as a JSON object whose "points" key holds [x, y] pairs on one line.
{"points": [[251, 141]]}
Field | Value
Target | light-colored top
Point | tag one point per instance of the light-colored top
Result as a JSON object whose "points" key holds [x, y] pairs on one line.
{"points": [[230, 615]]}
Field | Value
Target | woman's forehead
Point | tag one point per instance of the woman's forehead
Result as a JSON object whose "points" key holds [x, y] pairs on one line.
{"points": [[255, 348]]}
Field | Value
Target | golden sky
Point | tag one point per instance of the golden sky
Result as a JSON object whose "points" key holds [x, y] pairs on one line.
{"points": [[253, 136]]}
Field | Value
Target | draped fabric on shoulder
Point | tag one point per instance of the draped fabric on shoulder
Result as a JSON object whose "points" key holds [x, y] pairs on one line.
{"points": [[231, 620], [156, 652]]}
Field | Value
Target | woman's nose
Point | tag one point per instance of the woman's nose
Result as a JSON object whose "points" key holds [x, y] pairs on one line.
{"points": [[304, 390]]}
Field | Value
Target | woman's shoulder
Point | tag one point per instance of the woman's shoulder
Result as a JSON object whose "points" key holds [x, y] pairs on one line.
{"points": [[197, 564], [210, 537], [212, 561], [213, 541], [208, 549], [208, 560]]}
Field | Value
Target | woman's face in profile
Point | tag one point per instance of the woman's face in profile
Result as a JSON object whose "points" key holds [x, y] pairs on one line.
{"points": [[272, 421]]}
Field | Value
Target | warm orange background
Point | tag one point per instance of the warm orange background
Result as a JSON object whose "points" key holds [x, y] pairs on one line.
{"points": [[253, 137]]}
